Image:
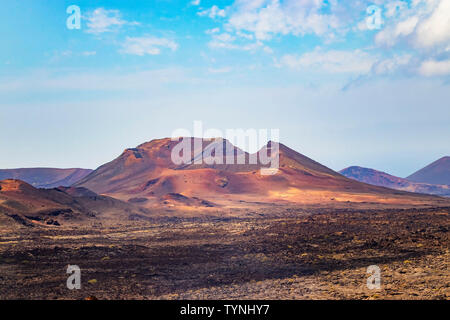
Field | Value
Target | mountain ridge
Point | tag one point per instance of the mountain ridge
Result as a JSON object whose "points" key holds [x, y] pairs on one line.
{"points": [[380, 178], [48, 178]]}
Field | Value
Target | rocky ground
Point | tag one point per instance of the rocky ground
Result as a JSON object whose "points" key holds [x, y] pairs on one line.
{"points": [[320, 255]]}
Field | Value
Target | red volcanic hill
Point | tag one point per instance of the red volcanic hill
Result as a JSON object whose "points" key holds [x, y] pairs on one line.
{"points": [[147, 175], [45, 177], [23, 204], [383, 179], [437, 172]]}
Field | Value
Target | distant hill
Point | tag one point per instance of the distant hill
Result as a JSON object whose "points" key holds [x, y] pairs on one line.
{"points": [[437, 172], [45, 177], [383, 179]]}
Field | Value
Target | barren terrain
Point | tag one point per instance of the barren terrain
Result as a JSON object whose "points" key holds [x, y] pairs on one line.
{"points": [[290, 254]]}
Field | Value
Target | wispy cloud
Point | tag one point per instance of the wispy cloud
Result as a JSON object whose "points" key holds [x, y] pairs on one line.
{"points": [[392, 64], [226, 40], [65, 81], [431, 68], [250, 24], [425, 25], [424, 29], [67, 54], [419, 31], [332, 61], [213, 12], [147, 45], [218, 44], [102, 20], [266, 18], [212, 31]]}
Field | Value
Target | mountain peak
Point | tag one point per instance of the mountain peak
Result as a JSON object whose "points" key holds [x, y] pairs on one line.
{"points": [[148, 171], [357, 169], [437, 172]]}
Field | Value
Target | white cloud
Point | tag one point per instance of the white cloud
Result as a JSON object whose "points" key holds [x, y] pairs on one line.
{"points": [[227, 41], [147, 45], [244, 35], [224, 37], [268, 50], [68, 54], [425, 25], [391, 65], [213, 12], [266, 18], [195, 2], [361, 26], [424, 29], [431, 68], [217, 44], [435, 30], [101, 20], [395, 8], [333, 61], [390, 35], [253, 21], [212, 31]]}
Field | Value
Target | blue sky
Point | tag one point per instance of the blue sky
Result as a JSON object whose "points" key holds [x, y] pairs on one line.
{"points": [[345, 85]]}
